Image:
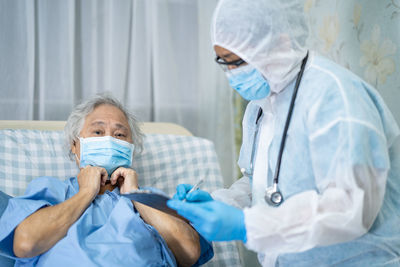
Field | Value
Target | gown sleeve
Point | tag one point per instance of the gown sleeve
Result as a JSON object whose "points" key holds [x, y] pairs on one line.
{"points": [[238, 195], [41, 192]]}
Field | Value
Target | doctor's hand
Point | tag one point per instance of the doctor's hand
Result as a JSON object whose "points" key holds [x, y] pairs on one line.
{"points": [[126, 178], [195, 196], [90, 178], [214, 220]]}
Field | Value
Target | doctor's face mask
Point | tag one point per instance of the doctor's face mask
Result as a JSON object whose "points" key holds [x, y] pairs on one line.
{"points": [[248, 82], [244, 78]]}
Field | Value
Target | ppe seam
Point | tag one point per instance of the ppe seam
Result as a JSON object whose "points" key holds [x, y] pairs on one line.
{"points": [[328, 126], [345, 100]]}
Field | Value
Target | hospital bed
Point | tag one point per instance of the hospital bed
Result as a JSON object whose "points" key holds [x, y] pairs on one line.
{"points": [[171, 155]]}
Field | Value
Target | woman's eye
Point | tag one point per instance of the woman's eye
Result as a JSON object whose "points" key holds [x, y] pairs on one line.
{"points": [[120, 135], [97, 132]]}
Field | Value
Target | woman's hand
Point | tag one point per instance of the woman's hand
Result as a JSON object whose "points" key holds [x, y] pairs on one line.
{"points": [[126, 178], [90, 178]]}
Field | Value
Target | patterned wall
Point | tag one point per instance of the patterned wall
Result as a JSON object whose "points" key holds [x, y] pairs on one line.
{"points": [[361, 35]]}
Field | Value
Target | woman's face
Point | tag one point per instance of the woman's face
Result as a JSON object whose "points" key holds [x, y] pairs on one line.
{"points": [[105, 120]]}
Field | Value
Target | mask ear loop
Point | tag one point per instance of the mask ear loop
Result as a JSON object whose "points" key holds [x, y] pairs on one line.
{"points": [[76, 156]]}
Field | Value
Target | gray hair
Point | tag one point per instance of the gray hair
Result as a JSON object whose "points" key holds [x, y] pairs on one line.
{"points": [[77, 117]]}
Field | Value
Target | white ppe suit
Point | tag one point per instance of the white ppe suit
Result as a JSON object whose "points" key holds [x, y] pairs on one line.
{"points": [[340, 172]]}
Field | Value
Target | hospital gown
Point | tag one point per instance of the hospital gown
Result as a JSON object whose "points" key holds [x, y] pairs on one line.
{"points": [[109, 233]]}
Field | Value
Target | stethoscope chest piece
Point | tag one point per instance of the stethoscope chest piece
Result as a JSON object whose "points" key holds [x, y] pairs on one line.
{"points": [[273, 196]]}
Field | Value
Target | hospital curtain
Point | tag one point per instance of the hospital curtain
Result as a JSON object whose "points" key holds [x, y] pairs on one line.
{"points": [[154, 55]]}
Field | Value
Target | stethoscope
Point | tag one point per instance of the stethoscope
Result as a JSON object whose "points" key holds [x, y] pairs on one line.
{"points": [[273, 195]]}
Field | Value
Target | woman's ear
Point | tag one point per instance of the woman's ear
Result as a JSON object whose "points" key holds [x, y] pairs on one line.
{"points": [[73, 147]]}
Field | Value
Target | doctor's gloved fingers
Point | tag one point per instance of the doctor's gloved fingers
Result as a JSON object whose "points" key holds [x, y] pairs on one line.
{"points": [[214, 220], [181, 191], [192, 211], [198, 196], [222, 223]]}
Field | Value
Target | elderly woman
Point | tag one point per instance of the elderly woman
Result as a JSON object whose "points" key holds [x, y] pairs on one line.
{"points": [[83, 221]]}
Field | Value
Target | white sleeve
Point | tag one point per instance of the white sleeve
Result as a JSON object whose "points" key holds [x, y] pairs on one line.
{"points": [[351, 187], [238, 195]]}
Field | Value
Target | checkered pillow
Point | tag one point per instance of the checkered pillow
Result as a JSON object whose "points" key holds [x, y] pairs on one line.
{"points": [[166, 161]]}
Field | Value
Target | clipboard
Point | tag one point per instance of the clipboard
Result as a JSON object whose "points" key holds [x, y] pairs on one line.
{"points": [[153, 200]]}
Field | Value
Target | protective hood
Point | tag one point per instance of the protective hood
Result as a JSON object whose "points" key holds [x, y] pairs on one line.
{"points": [[268, 34]]}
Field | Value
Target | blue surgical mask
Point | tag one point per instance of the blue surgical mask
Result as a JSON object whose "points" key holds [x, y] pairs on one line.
{"points": [[106, 151], [248, 82]]}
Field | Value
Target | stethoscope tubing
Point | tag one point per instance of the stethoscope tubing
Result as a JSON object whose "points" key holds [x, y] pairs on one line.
{"points": [[275, 188], [288, 119]]}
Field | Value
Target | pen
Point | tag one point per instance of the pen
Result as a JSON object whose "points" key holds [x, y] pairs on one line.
{"points": [[195, 187]]}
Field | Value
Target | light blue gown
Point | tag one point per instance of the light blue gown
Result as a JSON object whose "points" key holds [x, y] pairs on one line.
{"points": [[4, 261], [109, 233]]}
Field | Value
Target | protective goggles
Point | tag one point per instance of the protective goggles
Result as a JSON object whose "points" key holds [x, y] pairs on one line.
{"points": [[225, 65]]}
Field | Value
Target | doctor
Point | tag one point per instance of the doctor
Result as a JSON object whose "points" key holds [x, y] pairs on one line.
{"points": [[320, 152]]}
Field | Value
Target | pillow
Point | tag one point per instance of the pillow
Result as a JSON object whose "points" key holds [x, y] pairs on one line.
{"points": [[166, 161]]}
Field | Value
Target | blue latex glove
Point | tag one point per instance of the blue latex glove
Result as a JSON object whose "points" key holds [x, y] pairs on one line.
{"points": [[195, 196], [214, 220]]}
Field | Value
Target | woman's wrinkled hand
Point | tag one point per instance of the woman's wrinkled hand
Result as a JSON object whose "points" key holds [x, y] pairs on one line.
{"points": [[126, 178], [90, 178]]}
